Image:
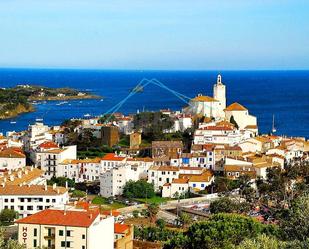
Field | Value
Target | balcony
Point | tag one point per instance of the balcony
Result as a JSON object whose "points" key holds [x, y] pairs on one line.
{"points": [[49, 236]]}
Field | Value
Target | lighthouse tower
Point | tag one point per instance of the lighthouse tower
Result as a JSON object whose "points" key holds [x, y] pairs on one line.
{"points": [[220, 95]]}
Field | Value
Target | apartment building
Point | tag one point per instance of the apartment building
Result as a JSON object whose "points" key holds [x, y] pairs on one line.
{"points": [[83, 170], [76, 229], [48, 160], [112, 181], [30, 199]]}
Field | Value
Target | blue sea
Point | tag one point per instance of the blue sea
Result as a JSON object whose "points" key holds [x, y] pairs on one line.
{"points": [[284, 94]]}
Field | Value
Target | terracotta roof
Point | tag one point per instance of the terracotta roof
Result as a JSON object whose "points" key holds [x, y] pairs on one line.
{"points": [[191, 168], [251, 127], [164, 168], [112, 157], [140, 159], [11, 153], [202, 98], [54, 151], [180, 181], [114, 213], [54, 217], [205, 177], [120, 228], [48, 145], [242, 168], [31, 190], [217, 128], [166, 184], [21, 176], [235, 107]]}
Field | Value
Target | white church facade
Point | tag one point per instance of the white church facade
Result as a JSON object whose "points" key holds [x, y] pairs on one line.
{"points": [[215, 107]]}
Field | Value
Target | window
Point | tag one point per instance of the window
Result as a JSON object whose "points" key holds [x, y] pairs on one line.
{"points": [[53, 200], [34, 243], [60, 232], [83, 236], [174, 173], [29, 207], [62, 243], [68, 233], [83, 247], [35, 232], [160, 179], [6, 200], [47, 200], [194, 185], [12, 200]]}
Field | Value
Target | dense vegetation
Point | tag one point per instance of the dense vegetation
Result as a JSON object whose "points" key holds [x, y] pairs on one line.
{"points": [[14, 101], [138, 189]]}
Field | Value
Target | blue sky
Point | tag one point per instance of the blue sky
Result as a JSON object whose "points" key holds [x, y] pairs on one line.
{"points": [[155, 34]]}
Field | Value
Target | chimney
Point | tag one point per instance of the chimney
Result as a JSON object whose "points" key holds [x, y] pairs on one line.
{"points": [[45, 187]]}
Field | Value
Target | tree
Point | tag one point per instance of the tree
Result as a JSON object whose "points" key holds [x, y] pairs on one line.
{"points": [[295, 224], [153, 210], [135, 213], [61, 181], [138, 189], [222, 205], [225, 230], [7, 216], [185, 219], [161, 223], [78, 194], [10, 243], [261, 242], [233, 121]]}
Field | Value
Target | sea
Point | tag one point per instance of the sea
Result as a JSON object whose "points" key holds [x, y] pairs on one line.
{"points": [[284, 94]]}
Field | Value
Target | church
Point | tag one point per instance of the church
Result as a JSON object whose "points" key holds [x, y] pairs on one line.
{"points": [[215, 107]]}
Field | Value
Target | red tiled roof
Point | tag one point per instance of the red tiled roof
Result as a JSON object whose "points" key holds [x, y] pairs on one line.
{"points": [[61, 218], [11, 153], [112, 157], [235, 107], [120, 228], [111, 212], [48, 145]]}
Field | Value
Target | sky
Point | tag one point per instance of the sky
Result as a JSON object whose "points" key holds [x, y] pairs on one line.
{"points": [[155, 34]]}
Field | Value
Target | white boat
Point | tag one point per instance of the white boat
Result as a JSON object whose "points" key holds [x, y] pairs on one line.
{"points": [[273, 127], [87, 115], [39, 119], [13, 122]]}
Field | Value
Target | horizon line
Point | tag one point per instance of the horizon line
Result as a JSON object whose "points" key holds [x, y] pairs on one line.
{"points": [[147, 69]]}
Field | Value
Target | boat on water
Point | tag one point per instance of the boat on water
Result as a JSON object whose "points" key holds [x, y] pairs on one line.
{"points": [[273, 127], [39, 119], [87, 115], [13, 122]]}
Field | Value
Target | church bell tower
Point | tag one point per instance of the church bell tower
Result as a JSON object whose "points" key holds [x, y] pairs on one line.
{"points": [[220, 93]]}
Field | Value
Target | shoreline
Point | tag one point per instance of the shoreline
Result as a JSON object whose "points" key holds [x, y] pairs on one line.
{"points": [[56, 98]]}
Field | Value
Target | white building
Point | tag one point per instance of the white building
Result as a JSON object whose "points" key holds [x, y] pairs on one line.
{"points": [[48, 160], [76, 229], [36, 134], [240, 115], [217, 135], [112, 181], [30, 199], [11, 159], [84, 170], [210, 106]]}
